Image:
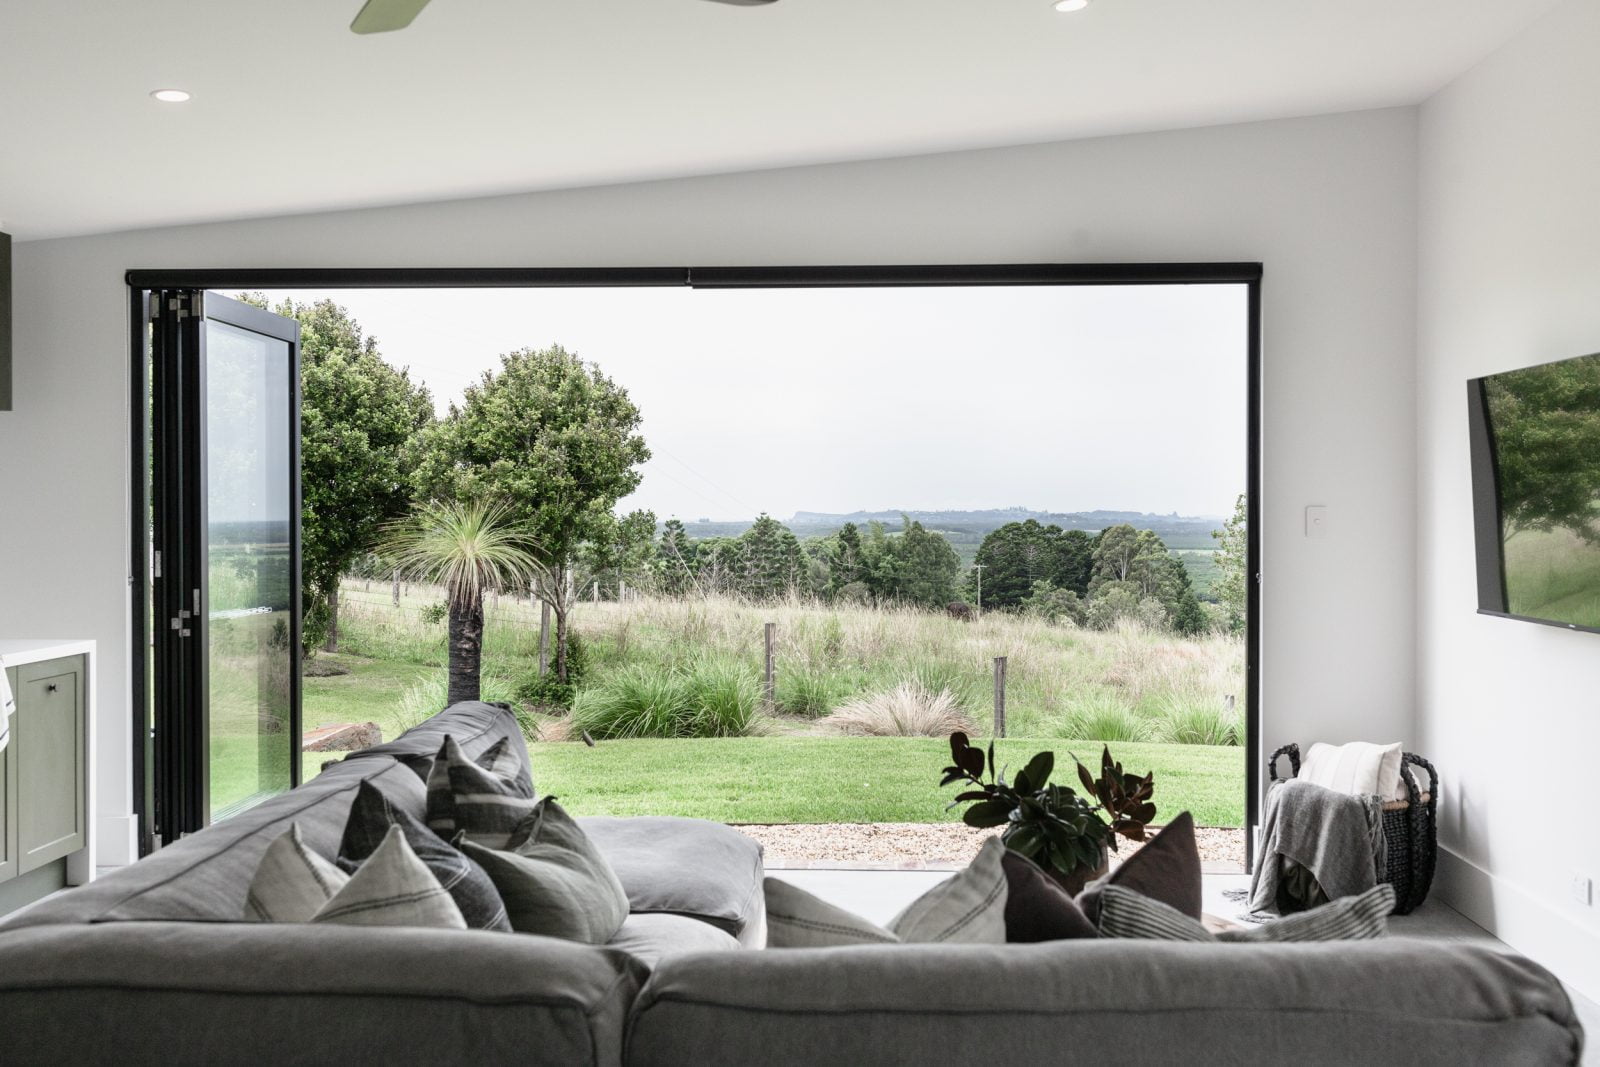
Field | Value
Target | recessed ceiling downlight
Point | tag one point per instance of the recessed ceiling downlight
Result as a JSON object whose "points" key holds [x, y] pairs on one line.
{"points": [[171, 96], [1071, 5]]}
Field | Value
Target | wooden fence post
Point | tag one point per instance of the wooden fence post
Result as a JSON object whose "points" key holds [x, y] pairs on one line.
{"points": [[544, 638], [999, 696], [771, 688], [397, 587]]}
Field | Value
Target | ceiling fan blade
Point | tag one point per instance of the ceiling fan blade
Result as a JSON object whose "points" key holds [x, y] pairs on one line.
{"points": [[381, 16]]}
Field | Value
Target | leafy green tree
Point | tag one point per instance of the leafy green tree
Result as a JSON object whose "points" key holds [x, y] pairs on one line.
{"points": [[845, 566], [1546, 423], [360, 421], [1047, 602], [1018, 554], [620, 550], [1113, 602], [1117, 552], [470, 549], [555, 441], [926, 567], [1232, 557]]}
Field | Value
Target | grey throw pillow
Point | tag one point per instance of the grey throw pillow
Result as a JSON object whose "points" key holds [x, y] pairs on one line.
{"points": [[797, 919], [969, 908], [482, 798], [292, 883], [1129, 914], [553, 879], [373, 814], [392, 888]]}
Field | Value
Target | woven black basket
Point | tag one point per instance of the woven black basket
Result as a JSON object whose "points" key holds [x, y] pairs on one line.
{"points": [[1410, 830]]}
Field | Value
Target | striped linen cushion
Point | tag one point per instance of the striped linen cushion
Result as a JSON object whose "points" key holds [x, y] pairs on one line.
{"points": [[1127, 914], [392, 888], [1360, 768], [292, 883], [483, 799]]}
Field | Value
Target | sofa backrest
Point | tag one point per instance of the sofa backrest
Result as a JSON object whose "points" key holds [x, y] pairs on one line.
{"points": [[205, 876], [1360, 1002]]}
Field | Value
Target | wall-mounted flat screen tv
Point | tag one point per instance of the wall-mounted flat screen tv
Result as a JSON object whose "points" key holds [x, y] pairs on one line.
{"points": [[1536, 492]]}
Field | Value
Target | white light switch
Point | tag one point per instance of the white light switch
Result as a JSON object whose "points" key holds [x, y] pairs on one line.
{"points": [[1316, 521]]}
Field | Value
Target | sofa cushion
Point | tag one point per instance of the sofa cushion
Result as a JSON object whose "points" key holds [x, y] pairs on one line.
{"points": [[1167, 869], [372, 815], [293, 883], [206, 875], [798, 919], [474, 724], [392, 888], [1152, 1002], [688, 867], [482, 798], [554, 881], [249, 993], [969, 907], [1037, 907], [655, 936]]}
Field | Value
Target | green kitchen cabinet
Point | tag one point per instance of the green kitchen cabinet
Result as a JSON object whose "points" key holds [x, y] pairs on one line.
{"points": [[43, 771]]}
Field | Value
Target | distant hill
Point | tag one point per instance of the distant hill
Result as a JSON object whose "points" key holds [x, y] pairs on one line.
{"points": [[966, 529]]}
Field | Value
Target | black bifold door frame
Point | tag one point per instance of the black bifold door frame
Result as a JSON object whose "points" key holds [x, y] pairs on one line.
{"points": [[150, 804]]}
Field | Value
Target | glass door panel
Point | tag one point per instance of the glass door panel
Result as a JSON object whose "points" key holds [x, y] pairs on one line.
{"points": [[249, 594]]}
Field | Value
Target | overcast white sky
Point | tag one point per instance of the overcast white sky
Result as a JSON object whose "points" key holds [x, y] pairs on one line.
{"points": [[1052, 398]]}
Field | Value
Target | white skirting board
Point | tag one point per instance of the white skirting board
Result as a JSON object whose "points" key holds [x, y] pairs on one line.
{"points": [[1536, 928]]}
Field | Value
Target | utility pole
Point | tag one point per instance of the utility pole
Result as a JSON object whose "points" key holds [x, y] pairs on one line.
{"points": [[979, 568]]}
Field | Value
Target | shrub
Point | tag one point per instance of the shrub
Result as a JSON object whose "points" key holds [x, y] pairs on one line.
{"points": [[545, 690], [426, 697], [1184, 719], [907, 710], [811, 693], [711, 698], [1100, 718]]}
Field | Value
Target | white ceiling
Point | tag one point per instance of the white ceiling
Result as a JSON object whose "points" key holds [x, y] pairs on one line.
{"points": [[292, 112]]}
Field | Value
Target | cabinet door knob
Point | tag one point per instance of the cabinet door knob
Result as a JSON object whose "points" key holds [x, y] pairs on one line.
{"points": [[52, 688]]}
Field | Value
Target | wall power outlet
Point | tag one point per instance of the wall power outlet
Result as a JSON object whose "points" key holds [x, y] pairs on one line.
{"points": [[1581, 886]]}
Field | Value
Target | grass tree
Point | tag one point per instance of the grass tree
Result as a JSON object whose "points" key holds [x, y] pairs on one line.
{"points": [[471, 550]]}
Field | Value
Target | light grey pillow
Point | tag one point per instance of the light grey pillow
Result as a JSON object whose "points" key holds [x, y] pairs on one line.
{"points": [[553, 879], [292, 882], [797, 919], [967, 909], [1127, 914], [484, 798], [392, 888], [1359, 918]]}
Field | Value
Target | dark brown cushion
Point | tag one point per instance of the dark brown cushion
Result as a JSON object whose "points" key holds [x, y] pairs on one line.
{"points": [[1037, 908], [1165, 869]]}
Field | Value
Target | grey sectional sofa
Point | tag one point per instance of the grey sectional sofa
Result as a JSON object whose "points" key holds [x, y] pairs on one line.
{"points": [[151, 964]]}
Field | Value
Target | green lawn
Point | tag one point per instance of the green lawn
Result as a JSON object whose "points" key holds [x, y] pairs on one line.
{"points": [[827, 779]]}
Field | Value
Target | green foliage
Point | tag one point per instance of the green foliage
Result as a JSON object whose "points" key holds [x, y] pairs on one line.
{"points": [[1046, 602], [1184, 719], [1232, 558], [1546, 423], [435, 613], [548, 691], [676, 559], [1113, 602], [360, 421], [1102, 718], [1020, 554], [811, 693], [1053, 825], [555, 442], [710, 697]]}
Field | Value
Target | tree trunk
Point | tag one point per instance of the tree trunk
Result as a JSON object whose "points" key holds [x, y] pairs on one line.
{"points": [[466, 650], [544, 638], [332, 644], [561, 644]]}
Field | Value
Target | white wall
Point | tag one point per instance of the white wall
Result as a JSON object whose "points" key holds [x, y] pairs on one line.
{"points": [[1509, 276], [1326, 203]]}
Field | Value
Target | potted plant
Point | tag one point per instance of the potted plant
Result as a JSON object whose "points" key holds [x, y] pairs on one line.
{"points": [[1066, 833]]}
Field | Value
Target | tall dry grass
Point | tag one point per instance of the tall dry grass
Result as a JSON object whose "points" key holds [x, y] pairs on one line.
{"points": [[1061, 680]]}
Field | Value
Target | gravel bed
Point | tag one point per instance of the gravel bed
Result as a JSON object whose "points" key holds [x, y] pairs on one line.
{"points": [[907, 846]]}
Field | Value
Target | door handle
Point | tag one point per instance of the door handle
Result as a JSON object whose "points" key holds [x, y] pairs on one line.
{"points": [[52, 688]]}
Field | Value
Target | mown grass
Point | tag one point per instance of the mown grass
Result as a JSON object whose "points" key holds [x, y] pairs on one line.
{"points": [[1553, 574], [846, 780]]}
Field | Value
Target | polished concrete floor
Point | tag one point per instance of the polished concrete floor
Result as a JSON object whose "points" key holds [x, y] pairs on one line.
{"points": [[879, 896]]}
